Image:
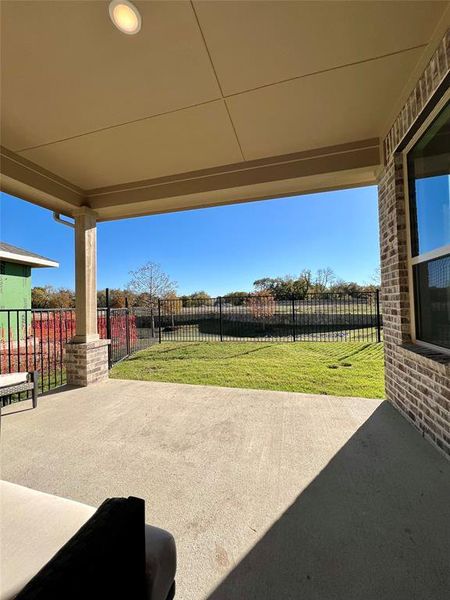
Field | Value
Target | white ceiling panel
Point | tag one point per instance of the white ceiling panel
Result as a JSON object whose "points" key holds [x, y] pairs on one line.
{"points": [[186, 140], [331, 108], [67, 70], [258, 43]]}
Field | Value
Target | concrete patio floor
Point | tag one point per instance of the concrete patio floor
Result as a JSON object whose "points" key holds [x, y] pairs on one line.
{"points": [[270, 495]]}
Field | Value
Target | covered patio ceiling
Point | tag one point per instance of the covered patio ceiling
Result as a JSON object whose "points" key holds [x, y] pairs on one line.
{"points": [[211, 103]]}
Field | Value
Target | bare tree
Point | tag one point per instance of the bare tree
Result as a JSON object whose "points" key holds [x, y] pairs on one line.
{"points": [[150, 282], [376, 277], [324, 278], [303, 283]]}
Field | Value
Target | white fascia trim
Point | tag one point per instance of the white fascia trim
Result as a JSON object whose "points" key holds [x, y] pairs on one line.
{"points": [[27, 260]]}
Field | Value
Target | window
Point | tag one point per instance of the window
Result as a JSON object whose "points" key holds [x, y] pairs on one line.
{"points": [[428, 164]]}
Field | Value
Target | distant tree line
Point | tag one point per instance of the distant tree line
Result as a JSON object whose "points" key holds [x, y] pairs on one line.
{"points": [[323, 281], [50, 297], [149, 283]]}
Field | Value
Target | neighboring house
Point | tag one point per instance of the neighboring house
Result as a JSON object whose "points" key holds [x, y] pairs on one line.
{"points": [[15, 285]]}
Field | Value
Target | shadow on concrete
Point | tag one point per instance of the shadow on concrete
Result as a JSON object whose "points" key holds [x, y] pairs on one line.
{"points": [[59, 390], [8, 408], [24, 405], [373, 525]]}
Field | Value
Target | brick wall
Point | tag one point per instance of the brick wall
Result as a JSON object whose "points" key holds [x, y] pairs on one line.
{"points": [[87, 363], [417, 380]]}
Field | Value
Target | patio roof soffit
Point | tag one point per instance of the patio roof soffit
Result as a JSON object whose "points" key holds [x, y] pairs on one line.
{"points": [[336, 167], [21, 177]]}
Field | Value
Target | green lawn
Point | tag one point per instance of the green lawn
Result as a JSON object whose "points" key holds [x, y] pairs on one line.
{"points": [[335, 368]]}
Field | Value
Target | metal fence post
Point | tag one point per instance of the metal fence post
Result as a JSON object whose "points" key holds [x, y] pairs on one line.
{"points": [[127, 326], [159, 320], [293, 318], [108, 325], [378, 316], [220, 318]]}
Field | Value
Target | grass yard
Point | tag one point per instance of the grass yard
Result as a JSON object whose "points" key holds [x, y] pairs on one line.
{"points": [[334, 368]]}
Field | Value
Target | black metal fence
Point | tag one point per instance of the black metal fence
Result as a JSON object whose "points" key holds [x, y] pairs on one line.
{"points": [[129, 329], [314, 317], [34, 340]]}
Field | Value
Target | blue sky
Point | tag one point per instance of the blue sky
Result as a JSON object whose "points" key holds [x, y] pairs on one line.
{"points": [[217, 249]]}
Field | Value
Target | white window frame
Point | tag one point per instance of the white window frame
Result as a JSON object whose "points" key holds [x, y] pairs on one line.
{"points": [[414, 260]]}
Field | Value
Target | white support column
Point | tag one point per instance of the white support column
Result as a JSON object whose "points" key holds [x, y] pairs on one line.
{"points": [[86, 275], [86, 354]]}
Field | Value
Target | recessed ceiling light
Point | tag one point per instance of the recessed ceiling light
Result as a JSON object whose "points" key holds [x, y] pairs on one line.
{"points": [[125, 16]]}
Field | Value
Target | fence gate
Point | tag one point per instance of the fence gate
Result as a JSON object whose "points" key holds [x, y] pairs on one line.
{"points": [[129, 329]]}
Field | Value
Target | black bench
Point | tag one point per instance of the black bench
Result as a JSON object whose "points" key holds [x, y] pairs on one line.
{"points": [[14, 383]]}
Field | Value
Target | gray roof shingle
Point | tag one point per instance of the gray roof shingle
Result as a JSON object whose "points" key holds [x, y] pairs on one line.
{"points": [[22, 252]]}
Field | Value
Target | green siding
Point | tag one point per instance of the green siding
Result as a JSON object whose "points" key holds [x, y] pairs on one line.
{"points": [[15, 292]]}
